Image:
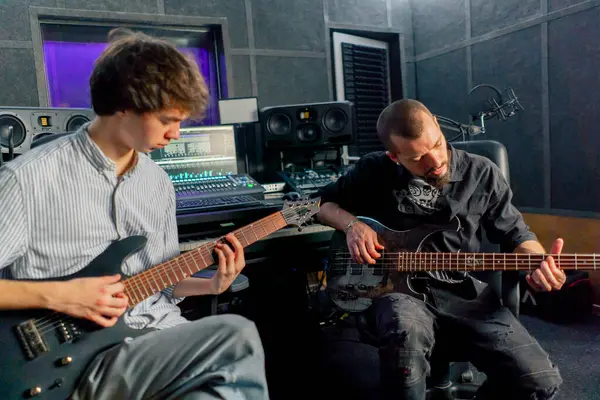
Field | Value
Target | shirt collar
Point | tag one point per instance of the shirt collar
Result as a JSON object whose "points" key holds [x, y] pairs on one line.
{"points": [[457, 165], [96, 156]]}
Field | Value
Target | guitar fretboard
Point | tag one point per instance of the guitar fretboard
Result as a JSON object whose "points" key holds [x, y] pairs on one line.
{"points": [[145, 284], [416, 261]]}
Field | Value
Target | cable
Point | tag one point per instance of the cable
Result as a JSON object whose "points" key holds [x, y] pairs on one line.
{"points": [[457, 127]]}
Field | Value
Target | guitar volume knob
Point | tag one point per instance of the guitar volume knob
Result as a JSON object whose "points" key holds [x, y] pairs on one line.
{"points": [[61, 362], [35, 391]]}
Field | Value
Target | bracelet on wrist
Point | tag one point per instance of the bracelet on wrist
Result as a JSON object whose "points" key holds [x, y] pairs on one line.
{"points": [[347, 228]]}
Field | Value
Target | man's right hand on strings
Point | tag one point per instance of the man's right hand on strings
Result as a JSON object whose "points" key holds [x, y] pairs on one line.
{"points": [[363, 243], [100, 299]]}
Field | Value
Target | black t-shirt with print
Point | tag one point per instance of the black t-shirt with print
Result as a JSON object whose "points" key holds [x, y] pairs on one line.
{"points": [[477, 194]]}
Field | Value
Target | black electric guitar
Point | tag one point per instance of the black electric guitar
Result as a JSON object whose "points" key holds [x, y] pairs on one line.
{"points": [[352, 286], [44, 353]]}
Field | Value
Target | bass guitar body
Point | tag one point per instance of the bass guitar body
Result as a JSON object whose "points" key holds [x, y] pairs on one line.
{"points": [[353, 286]]}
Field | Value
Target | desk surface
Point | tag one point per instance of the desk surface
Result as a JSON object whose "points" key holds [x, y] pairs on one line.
{"points": [[282, 233]]}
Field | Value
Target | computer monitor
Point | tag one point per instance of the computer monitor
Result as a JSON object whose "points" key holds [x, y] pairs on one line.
{"points": [[201, 154]]}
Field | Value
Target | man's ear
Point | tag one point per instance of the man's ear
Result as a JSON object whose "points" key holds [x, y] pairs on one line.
{"points": [[392, 157]]}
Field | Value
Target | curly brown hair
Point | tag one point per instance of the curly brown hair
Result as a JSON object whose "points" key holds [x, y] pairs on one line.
{"points": [[144, 74]]}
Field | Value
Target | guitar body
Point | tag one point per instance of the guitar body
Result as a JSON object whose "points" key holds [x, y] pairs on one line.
{"points": [[352, 286], [44, 353], [36, 343]]}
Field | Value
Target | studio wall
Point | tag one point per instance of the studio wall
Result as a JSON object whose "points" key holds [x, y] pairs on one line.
{"points": [[278, 47], [548, 52]]}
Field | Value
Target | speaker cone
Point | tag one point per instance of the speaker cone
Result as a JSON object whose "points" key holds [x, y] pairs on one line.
{"points": [[18, 129], [335, 120], [308, 133], [279, 124], [75, 122]]}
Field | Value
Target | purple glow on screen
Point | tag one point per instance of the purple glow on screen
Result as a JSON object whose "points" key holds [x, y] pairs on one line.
{"points": [[69, 66]]}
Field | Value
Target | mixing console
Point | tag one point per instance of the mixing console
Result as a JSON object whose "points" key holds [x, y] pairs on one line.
{"points": [[219, 186], [309, 180], [218, 192]]}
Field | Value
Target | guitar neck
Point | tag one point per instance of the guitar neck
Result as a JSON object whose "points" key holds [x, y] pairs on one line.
{"points": [[416, 261], [145, 284]]}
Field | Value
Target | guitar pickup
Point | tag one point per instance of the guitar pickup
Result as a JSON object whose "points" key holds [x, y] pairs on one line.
{"points": [[31, 339], [356, 269], [378, 270]]}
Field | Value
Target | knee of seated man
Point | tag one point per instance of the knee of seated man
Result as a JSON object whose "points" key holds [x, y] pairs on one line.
{"points": [[405, 350], [409, 327], [410, 334], [242, 330], [405, 353]]}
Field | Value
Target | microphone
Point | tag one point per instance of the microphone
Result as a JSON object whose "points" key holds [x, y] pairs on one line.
{"points": [[494, 105]]}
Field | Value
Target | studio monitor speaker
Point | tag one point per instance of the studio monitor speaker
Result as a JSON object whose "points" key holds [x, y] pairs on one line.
{"points": [[313, 125], [27, 122]]}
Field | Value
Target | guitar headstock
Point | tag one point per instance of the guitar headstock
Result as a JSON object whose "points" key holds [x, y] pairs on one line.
{"points": [[298, 212]]}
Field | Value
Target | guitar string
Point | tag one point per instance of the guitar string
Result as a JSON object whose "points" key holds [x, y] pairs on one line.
{"points": [[451, 263], [426, 266], [47, 323], [583, 263], [449, 260], [580, 261], [461, 254], [137, 282], [342, 264], [203, 250]]}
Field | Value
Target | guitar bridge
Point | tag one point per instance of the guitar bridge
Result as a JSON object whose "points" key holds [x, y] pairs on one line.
{"points": [[31, 339]]}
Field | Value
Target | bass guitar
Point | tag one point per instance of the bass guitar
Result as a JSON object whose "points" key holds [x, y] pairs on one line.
{"points": [[44, 352], [352, 286]]}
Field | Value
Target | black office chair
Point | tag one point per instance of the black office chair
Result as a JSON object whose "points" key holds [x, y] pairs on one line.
{"points": [[239, 284], [449, 379]]}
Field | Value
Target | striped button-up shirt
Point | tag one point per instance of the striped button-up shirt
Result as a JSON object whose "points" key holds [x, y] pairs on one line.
{"points": [[62, 204]]}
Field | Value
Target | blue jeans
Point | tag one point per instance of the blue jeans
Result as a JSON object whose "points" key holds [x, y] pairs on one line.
{"points": [[465, 324]]}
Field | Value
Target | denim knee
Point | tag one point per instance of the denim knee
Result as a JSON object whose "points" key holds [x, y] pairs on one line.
{"points": [[406, 351]]}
